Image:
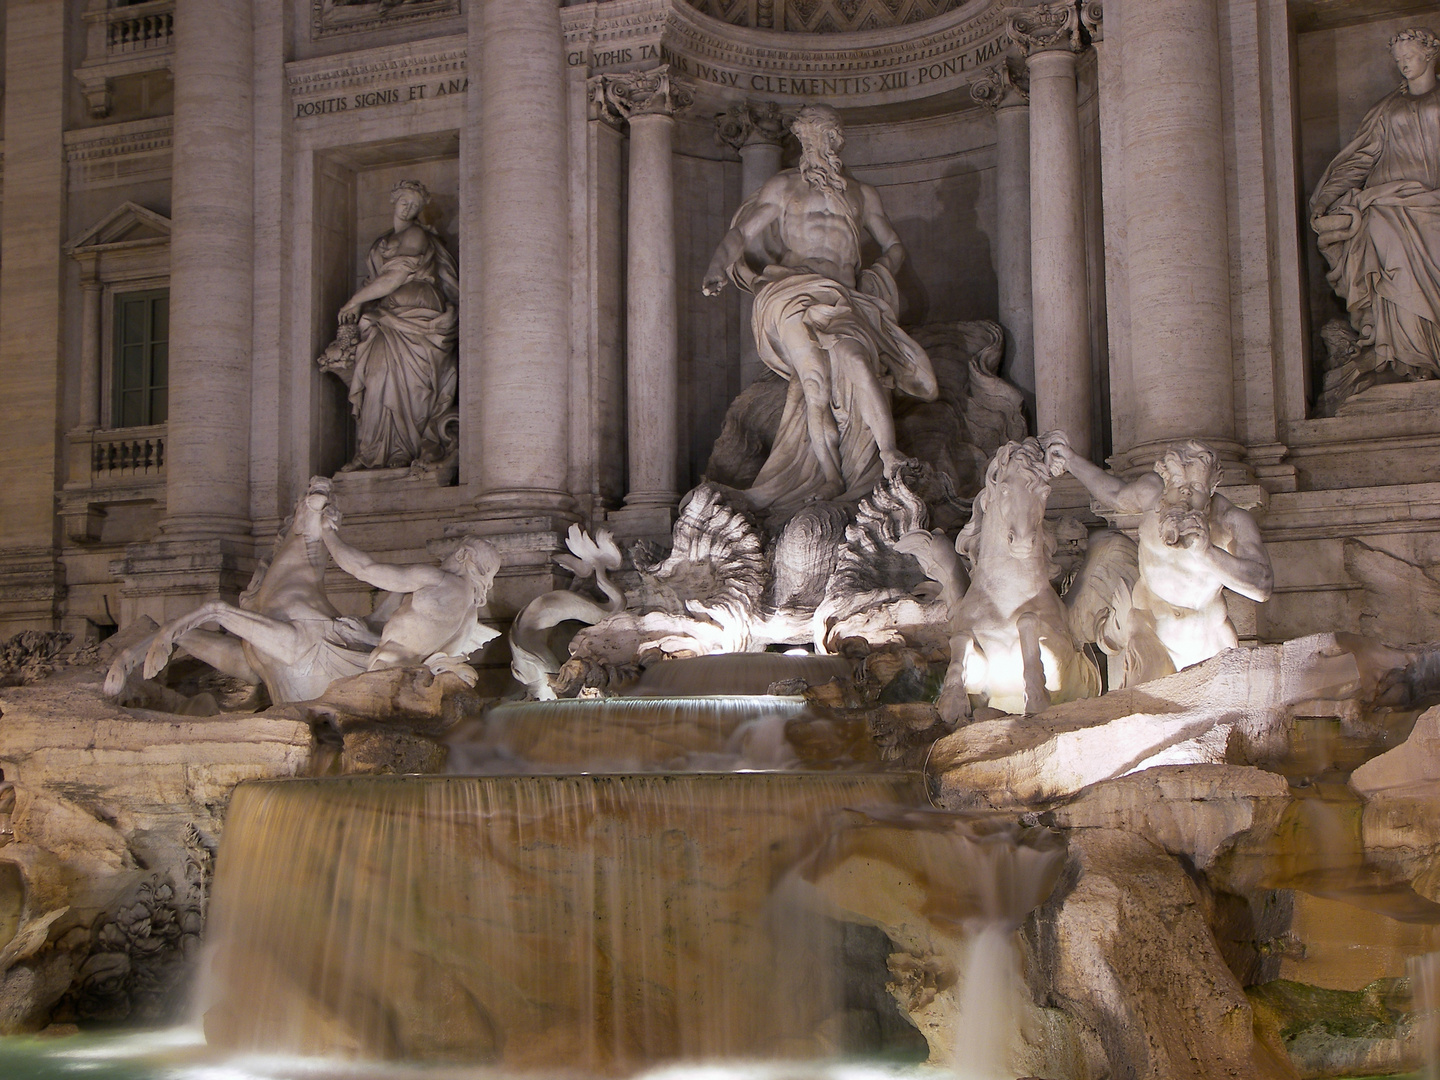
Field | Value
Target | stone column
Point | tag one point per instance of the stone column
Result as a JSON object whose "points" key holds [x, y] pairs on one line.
{"points": [[32, 224], [755, 130], [1004, 89], [522, 228], [211, 271], [1176, 226], [649, 100], [1050, 36], [93, 294]]}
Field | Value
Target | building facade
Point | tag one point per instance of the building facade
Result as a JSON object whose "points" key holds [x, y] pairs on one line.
{"points": [[192, 188]]}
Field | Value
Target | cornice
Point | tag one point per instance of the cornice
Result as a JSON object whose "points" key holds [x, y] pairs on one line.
{"points": [[118, 140], [370, 67]]}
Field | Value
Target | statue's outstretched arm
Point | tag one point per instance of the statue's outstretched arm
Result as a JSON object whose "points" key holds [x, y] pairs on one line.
{"points": [[1110, 490], [387, 576], [377, 288], [1352, 166], [753, 217]]}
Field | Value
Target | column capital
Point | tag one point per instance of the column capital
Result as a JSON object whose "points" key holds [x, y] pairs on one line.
{"points": [[1005, 84], [751, 122], [1092, 15], [1045, 28], [616, 98]]}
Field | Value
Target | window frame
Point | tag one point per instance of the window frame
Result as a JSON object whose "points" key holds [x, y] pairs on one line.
{"points": [[114, 296]]}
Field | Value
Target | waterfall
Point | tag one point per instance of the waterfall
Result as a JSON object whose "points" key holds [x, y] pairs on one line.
{"points": [[586, 922]]}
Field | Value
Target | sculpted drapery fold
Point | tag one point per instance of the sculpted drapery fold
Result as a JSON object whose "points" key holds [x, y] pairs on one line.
{"points": [[1377, 214]]}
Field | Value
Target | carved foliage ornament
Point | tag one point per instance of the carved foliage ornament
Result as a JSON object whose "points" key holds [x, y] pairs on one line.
{"points": [[1007, 83], [643, 93], [1045, 27], [749, 123]]}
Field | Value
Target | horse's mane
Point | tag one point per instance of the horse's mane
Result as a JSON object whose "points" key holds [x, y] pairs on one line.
{"points": [[318, 485], [1028, 459]]}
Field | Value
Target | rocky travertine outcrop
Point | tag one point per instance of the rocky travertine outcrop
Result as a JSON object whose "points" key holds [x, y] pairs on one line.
{"points": [[1232, 707], [1123, 946], [115, 819]]}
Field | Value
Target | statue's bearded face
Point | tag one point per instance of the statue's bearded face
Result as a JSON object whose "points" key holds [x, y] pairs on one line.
{"points": [[1188, 487], [1185, 503], [820, 145]]}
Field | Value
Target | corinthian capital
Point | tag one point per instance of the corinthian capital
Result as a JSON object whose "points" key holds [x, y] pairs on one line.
{"points": [[1004, 84], [750, 123], [1092, 15], [638, 93], [1044, 27]]}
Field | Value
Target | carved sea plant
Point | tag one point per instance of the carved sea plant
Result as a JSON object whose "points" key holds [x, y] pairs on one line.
{"points": [[873, 592], [703, 597]]}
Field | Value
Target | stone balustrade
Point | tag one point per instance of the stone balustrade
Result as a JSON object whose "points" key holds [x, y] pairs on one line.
{"points": [[125, 456], [122, 41]]}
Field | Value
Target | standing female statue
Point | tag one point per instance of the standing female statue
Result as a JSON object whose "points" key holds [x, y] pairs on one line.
{"points": [[395, 347], [1377, 213]]}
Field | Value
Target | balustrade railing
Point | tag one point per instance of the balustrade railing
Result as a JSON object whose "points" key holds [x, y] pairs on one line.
{"points": [[139, 27], [126, 456]]}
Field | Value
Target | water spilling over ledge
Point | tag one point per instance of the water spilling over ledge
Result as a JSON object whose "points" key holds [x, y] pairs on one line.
{"points": [[594, 922]]}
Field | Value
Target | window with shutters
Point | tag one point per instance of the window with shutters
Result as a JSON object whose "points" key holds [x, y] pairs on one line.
{"points": [[140, 333]]}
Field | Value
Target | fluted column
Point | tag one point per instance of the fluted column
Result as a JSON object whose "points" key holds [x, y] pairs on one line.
{"points": [[649, 100], [1050, 36], [1004, 89], [523, 230], [1176, 225], [755, 130], [211, 271]]}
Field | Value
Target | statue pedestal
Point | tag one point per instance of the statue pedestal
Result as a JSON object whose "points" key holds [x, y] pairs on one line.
{"points": [[1387, 399], [441, 474], [652, 523]]}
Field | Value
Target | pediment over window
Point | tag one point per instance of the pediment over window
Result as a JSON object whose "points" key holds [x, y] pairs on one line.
{"points": [[128, 225]]}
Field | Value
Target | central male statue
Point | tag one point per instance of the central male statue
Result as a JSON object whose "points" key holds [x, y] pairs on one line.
{"points": [[824, 322]]}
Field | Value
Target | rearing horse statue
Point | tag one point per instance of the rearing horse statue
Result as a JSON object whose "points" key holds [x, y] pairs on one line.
{"points": [[1010, 643], [283, 631]]}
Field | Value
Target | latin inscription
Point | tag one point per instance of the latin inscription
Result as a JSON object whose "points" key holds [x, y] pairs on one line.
{"points": [[916, 75], [371, 99]]}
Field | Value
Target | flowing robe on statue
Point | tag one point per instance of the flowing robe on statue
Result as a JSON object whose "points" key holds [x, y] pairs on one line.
{"points": [[829, 311], [404, 387], [1388, 272]]}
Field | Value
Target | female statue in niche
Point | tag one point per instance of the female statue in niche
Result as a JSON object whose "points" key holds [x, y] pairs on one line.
{"points": [[1377, 213], [395, 346]]}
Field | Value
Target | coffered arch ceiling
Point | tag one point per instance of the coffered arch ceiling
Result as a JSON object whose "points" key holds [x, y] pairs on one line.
{"points": [[823, 16]]}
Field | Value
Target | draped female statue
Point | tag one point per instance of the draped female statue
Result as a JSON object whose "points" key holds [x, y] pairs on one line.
{"points": [[395, 346], [1377, 213]]}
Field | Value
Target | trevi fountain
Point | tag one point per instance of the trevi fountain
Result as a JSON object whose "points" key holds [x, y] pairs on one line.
{"points": [[720, 538]]}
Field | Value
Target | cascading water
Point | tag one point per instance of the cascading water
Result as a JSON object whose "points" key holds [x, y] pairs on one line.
{"points": [[979, 877], [724, 733], [1424, 974], [565, 921]]}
